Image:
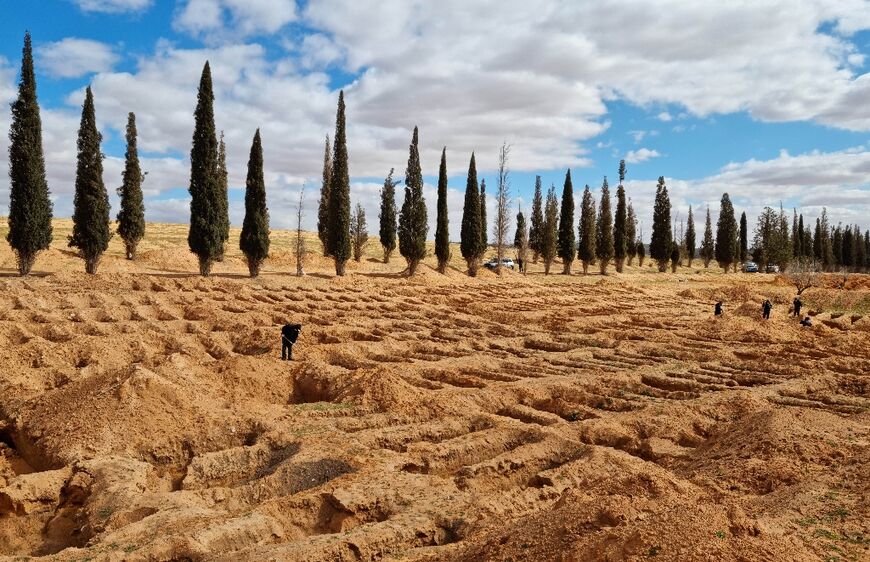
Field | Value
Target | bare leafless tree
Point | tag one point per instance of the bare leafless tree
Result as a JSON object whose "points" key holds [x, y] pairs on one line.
{"points": [[300, 241], [502, 197], [803, 275]]}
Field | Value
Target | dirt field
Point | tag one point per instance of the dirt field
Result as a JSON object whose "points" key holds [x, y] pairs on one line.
{"points": [[145, 413]]}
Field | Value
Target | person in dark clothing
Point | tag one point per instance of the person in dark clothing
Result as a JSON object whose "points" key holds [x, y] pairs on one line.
{"points": [[717, 310], [765, 309], [797, 306], [807, 322], [289, 333]]}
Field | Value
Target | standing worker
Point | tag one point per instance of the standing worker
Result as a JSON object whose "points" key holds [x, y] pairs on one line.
{"points": [[717, 310], [289, 333], [797, 306], [765, 309]]}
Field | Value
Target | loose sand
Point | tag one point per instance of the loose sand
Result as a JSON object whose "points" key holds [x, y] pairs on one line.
{"points": [[145, 413]]}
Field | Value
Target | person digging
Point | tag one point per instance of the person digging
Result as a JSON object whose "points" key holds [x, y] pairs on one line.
{"points": [[289, 334]]}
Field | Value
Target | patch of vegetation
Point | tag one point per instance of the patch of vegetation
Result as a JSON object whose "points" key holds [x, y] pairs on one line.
{"points": [[323, 406], [654, 551], [720, 534]]}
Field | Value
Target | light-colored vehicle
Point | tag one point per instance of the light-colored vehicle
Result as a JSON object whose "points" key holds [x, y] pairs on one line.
{"points": [[505, 262], [750, 267], [772, 268]]}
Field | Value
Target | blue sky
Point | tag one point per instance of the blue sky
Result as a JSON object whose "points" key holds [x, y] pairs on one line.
{"points": [[713, 98]]}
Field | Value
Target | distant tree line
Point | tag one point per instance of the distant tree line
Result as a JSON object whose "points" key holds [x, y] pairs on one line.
{"points": [[602, 236]]}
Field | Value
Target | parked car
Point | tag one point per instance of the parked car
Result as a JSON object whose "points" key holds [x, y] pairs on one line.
{"points": [[505, 262], [750, 267], [772, 268]]}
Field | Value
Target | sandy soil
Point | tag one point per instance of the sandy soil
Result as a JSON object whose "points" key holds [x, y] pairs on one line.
{"points": [[145, 414]]}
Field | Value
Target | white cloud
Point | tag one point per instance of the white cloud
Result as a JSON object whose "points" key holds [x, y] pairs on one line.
{"points": [[641, 155], [220, 19], [113, 6], [664, 116], [73, 57]]}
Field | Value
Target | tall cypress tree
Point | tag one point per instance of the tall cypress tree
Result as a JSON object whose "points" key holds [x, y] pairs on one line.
{"points": [[205, 237], [91, 231], [223, 196], [726, 234], [131, 217], [660, 245], [801, 233], [413, 222], [604, 233], [339, 194], [796, 236], [470, 238], [323, 208], [566, 225], [484, 240], [587, 230], [537, 220], [30, 208], [631, 233], [550, 233], [690, 237], [254, 240], [521, 231], [442, 234], [620, 237], [708, 244], [387, 216], [744, 238]]}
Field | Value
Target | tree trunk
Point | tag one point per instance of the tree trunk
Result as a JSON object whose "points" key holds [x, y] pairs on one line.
{"points": [[91, 264], [674, 267], [130, 250], [339, 267], [663, 266], [412, 267], [442, 267], [585, 267], [566, 269], [620, 263], [534, 257], [603, 267], [25, 262], [387, 255], [472, 267], [690, 262], [547, 264], [253, 268], [205, 266]]}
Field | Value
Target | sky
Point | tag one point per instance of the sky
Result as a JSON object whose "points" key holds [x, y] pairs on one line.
{"points": [[768, 100]]}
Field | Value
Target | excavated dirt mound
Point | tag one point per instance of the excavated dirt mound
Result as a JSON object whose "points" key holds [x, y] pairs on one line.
{"points": [[145, 414]]}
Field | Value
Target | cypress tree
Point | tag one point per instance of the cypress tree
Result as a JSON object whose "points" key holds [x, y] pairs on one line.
{"points": [[604, 233], [470, 238], [323, 208], [796, 234], [641, 253], [566, 247], [660, 245], [631, 233], [484, 241], [801, 233], [520, 231], [675, 256], [91, 231], [537, 221], [339, 194], [442, 234], [690, 237], [205, 237], [387, 216], [726, 234], [254, 240], [587, 231], [817, 241], [131, 217], [550, 232], [620, 238], [358, 231], [708, 244], [744, 238], [413, 223], [30, 208], [223, 196], [827, 251]]}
